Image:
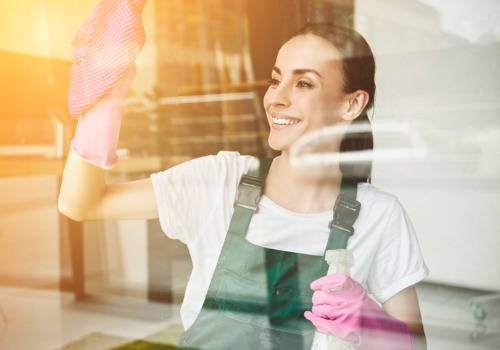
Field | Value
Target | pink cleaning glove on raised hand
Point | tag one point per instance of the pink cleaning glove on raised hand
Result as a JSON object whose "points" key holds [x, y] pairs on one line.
{"points": [[342, 308], [105, 49], [105, 46], [97, 133]]}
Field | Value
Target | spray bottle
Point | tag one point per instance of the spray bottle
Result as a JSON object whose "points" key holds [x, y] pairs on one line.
{"points": [[339, 261]]}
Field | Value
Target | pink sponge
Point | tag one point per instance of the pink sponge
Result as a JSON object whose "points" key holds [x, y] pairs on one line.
{"points": [[104, 47]]}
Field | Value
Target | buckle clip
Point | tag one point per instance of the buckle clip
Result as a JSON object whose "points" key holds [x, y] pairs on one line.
{"points": [[249, 192], [345, 212]]}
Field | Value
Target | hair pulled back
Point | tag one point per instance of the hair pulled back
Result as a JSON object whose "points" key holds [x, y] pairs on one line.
{"points": [[358, 70]]}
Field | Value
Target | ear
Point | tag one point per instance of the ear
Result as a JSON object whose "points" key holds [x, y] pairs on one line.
{"points": [[355, 104]]}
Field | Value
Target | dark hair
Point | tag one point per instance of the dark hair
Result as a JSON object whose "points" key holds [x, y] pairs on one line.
{"points": [[358, 68]]}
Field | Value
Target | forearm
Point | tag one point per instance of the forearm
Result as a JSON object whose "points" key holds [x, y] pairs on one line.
{"points": [[82, 189], [405, 307]]}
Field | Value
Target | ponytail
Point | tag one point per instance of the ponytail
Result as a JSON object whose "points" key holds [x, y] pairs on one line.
{"points": [[358, 138]]}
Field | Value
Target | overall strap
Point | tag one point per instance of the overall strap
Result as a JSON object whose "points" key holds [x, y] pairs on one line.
{"points": [[251, 187], [250, 190], [345, 213]]}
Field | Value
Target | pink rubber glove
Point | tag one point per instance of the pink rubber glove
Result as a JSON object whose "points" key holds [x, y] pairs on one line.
{"points": [[105, 46], [97, 132], [342, 308]]}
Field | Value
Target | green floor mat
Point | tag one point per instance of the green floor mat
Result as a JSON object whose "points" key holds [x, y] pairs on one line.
{"points": [[165, 339], [144, 345]]}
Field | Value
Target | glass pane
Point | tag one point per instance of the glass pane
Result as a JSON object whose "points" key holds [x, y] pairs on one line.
{"points": [[199, 89]]}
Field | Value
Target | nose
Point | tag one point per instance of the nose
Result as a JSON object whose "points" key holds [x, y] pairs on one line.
{"points": [[278, 95]]}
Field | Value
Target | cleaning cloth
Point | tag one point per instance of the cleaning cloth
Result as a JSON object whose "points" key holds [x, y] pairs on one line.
{"points": [[107, 43]]}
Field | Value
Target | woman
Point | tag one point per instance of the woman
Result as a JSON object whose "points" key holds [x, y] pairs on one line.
{"points": [[239, 294]]}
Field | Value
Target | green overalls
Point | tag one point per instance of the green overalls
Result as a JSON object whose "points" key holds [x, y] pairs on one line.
{"points": [[257, 296]]}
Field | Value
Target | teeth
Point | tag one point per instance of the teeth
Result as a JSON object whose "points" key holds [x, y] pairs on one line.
{"points": [[284, 121]]}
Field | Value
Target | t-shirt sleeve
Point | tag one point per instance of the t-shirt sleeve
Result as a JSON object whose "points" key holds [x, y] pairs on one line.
{"points": [[398, 262], [189, 193]]}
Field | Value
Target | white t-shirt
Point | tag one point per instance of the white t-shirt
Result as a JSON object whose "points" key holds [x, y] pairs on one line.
{"points": [[195, 203]]}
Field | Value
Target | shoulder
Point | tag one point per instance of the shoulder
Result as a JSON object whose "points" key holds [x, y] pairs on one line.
{"points": [[189, 193], [206, 166], [228, 159], [382, 209], [375, 198]]}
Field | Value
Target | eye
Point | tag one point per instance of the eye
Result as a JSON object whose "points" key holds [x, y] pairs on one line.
{"points": [[304, 84], [273, 82]]}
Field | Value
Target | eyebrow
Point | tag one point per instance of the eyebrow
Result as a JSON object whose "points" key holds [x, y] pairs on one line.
{"points": [[299, 71]]}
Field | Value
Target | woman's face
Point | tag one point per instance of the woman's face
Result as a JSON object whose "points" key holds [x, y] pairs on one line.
{"points": [[306, 90]]}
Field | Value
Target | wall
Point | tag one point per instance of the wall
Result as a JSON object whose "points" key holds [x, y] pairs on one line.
{"points": [[438, 87]]}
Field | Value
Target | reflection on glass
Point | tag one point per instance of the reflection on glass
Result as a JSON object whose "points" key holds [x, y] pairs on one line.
{"points": [[436, 126]]}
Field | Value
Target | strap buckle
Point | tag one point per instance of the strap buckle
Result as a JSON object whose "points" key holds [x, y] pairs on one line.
{"points": [[345, 212], [249, 192]]}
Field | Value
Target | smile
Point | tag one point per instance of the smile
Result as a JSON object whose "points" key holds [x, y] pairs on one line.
{"points": [[285, 121]]}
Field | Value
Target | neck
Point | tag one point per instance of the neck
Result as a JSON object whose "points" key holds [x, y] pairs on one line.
{"points": [[303, 190]]}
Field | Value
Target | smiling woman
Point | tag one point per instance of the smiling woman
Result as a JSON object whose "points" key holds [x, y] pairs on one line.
{"points": [[313, 95], [328, 85], [306, 87], [252, 269]]}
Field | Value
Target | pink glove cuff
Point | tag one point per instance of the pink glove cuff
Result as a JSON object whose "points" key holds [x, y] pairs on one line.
{"points": [[96, 139], [97, 132], [104, 47]]}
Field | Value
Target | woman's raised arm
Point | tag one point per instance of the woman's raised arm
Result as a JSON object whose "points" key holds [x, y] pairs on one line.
{"points": [[85, 196], [84, 193]]}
